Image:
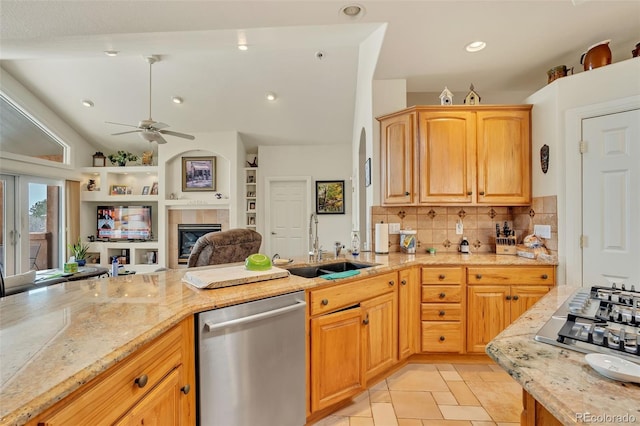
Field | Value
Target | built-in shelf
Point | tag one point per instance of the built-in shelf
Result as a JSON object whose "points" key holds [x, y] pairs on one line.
{"points": [[250, 197]]}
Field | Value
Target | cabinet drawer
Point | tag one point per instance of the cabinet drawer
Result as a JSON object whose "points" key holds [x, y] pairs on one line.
{"points": [[336, 297], [437, 276], [443, 293], [441, 312], [513, 275], [441, 336], [116, 391]]}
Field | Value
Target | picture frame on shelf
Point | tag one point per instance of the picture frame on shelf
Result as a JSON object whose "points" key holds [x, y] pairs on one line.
{"points": [[119, 189], [145, 190], [251, 194], [251, 206], [251, 179], [198, 174], [154, 188], [330, 196], [252, 220]]}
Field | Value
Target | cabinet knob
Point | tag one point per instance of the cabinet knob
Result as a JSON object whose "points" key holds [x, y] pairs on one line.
{"points": [[324, 302], [441, 313], [142, 381], [516, 297], [185, 389], [406, 193], [508, 297], [442, 338], [443, 295], [441, 277], [403, 282], [469, 193], [545, 276], [481, 192], [366, 320], [478, 276], [391, 283]]}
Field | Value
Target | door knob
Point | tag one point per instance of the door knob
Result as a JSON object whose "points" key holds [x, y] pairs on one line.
{"points": [[325, 302], [406, 193], [185, 389], [391, 283], [508, 297], [516, 297], [403, 282], [142, 381]]}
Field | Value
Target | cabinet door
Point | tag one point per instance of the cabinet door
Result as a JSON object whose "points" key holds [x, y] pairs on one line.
{"points": [[336, 357], [525, 296], [487, 314], [396, 143], [161, 406], [408, 312], [446, 158], [504, 157], [380, 333]]}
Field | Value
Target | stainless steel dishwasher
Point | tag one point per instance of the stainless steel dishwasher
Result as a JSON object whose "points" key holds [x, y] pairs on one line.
{"points": [[251, 363]]}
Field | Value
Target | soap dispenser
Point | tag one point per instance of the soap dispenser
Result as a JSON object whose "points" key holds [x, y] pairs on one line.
{"points": [[464, 246], [355, 243]]}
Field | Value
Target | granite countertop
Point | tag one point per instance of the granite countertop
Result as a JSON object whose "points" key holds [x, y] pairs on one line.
{"points": [[558, 378], [55, 339]]}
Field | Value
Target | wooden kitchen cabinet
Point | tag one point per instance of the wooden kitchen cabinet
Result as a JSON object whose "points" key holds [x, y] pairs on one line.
{"points": [[156, 382], [380, 333], [397, 139], [498, 296], [442, 319], [408, 312], [465, 155]]}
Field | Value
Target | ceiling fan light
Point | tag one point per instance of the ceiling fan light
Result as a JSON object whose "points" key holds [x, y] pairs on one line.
{"points": [[271, 97], [87, 103], [243, 47], [111, 52], [177, 100], [475, 46]]}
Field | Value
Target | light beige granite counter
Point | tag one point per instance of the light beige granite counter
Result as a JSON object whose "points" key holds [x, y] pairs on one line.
{"points": [[561, 379], [54, 340]]}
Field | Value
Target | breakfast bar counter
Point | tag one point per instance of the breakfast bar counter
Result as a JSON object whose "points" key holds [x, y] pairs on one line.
{"points": [[56, 339], [558, 378]]}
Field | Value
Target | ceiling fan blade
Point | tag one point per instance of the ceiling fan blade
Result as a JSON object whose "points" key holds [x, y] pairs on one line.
{"points": [[158, 125], [124, 133], [180, 135], [159, 139], [120, 124]]}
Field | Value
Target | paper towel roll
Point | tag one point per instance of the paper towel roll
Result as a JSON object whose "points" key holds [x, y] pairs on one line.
{"points": [[382, 238]]}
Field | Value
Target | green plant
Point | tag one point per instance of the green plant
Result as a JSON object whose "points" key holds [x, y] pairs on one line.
{"points": [[121, 157], [79, 250]]}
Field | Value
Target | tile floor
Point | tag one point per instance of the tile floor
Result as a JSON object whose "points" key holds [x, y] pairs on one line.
{"points": [[436, 395]]}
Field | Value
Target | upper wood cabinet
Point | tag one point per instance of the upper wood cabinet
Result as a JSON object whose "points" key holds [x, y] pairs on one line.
{"points": [[458, 155]]}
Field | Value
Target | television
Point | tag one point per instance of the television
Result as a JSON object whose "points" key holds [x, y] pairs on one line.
{"points": [[124, 222]]}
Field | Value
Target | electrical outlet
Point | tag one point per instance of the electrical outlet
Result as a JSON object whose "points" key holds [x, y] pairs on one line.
{"points": [[459, 228], [542, 231]]}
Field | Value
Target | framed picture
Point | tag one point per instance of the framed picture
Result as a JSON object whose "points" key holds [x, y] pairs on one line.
{"points": [[252, 205], [154, 188], [119, 189], [367, 172], [145, 190], [330, 196], [198, 174], [252, 220]]}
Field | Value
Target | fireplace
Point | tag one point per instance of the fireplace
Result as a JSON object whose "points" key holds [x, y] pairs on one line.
{"points": [[188, 234]]}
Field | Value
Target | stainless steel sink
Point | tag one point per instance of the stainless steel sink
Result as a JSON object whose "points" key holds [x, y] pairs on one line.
{"points": [[313, 271]]}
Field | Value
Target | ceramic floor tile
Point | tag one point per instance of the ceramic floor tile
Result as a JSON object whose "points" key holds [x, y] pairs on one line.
{"points": [[471, 376], [503, 400], [477, 423], [453, 376], [444, 398], [360, 407], [473, 367], [457, 412], [463, 394], [446, 423], [496, 376], [507, 424], [361, 421], [382, 384], [379, 395], [417, 380], [383, 414], [446, 367], [415, 405], [333, 421], [410, 422]]}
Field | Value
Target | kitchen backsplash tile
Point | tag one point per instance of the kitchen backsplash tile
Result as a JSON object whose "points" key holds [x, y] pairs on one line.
{"points": [[436, 225]]}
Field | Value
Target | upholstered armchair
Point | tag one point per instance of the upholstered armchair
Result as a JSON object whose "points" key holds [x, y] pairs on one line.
{"points": [[215, 248]]}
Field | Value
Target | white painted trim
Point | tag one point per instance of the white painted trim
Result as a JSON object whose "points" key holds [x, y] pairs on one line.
{"points": [[267, 208], [573, 187]]}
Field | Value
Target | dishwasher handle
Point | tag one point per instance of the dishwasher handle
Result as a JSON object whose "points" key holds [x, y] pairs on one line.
{"points": [[262, 315]]}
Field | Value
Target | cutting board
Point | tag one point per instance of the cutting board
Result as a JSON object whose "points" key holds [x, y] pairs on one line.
{"points": [[231, 275]]}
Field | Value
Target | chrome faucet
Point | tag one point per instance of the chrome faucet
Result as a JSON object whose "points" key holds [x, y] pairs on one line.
{"points": [[315, 252]]}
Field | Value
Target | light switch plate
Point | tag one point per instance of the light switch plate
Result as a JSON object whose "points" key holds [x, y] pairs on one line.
{"points": [[394, 228], [459, 228], [542, 231]]}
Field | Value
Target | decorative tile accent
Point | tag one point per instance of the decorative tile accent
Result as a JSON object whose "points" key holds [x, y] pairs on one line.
{"points": [[477, 244], [432, 213], [402, 214], [531, 213], [462, 214], [492, 213], [446, 243]]}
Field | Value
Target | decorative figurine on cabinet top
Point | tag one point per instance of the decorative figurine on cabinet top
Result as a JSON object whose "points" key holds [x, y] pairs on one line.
{"points": [[99, 160], [472, 97], [446, 97]]}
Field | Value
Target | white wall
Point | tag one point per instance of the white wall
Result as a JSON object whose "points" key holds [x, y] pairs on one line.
{"points": [[486, 98], [320, 162]]}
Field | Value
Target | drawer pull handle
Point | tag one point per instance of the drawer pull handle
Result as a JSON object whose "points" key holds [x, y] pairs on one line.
{"points": [[508, 297], [391, 283], [516, 297], [366, 320], [443, 295], [545, 276], [442, 338], [185, 389], [403, 282], [142, 381], [441, 313], [441, 277], [325, 302], [478, 276]]}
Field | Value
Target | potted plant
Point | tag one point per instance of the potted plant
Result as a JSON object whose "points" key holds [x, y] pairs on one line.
{"points": [[79, 251], [121, 157]]}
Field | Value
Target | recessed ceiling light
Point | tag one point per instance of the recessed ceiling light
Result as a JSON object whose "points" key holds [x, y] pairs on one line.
{"points": [[271, 96], [475, 46], [352, 10], [243, 47], [88, 103], [111, 52], [177, 100]]}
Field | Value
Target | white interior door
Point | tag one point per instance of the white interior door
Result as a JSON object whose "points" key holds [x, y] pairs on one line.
{"points": [[611, 199], [286, 225]]}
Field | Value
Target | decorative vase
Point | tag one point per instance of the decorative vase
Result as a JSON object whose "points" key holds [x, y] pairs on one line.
{"points": [[81, 262], [91, 186]]}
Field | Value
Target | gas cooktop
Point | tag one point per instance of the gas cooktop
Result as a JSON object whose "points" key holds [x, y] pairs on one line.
{"points": [[600, 319]]}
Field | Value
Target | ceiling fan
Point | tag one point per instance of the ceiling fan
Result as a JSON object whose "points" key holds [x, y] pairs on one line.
{"points": [[149, 129]]}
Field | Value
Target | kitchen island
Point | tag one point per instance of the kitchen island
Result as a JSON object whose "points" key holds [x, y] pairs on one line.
{"points": [[560, 379], [53, 341]]}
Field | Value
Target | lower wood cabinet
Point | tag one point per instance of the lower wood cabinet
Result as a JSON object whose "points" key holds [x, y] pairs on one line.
{"points": [[155, 385], [380, 333], [498, 296], [408, 312]]}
